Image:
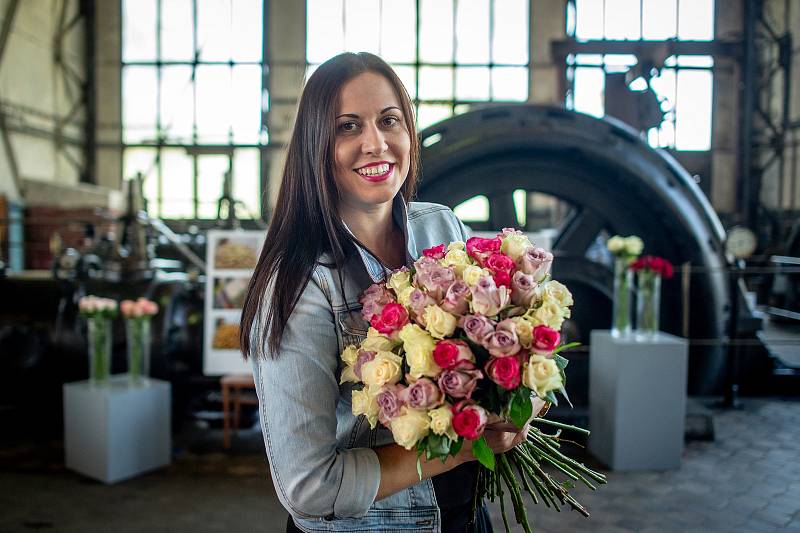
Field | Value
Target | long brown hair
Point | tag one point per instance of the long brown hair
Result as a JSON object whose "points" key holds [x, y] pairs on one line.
{"points": [[305, 222]]}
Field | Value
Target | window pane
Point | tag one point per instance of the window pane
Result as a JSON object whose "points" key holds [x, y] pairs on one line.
{"points": [[246, 20], [177, 25], [247, 180], [619, 62], [521, 206], [664, 87], [659, 19], [213, 103], [430, 114], [476, 209], [214, 30], [177, 103], [139, 104], [696, 20], [590, 84], [589, 59], [408, 75], [139, 30], [695, 61], [211, 171], [176, 184], [246, 103], [362, 28], [399, 30], [144, 160], [510, 83], [324, 30], [472, 31], [436, 31], [622, 19], [588, 19], [472, 83], [511, 23], [693, 110], [435, 83]]}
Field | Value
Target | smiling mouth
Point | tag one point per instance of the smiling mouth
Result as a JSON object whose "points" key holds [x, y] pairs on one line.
{"points": [[377, 172]]}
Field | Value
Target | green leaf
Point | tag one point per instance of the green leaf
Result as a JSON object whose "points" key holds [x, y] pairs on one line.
{"points": [[567, 484], [551, 397], [455, 446], [521, 408], [438, 445], [567, 346], [561, 362], [563, 392], [482, 452]]}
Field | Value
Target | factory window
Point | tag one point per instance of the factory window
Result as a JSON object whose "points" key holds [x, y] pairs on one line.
{"points": [[192, 103], [451, 54], [682, 85]]}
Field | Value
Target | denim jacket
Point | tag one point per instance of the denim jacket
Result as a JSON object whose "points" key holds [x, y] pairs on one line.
{"points": [[321, 459]]}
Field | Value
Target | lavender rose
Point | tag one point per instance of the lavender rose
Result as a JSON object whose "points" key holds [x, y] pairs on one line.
{"points": [[373, 300], [504, 340], [487, 298], [460, 382], [389, 403], [434, 278], [363, 357], [523, 288], [455, 301], [418, 301], [536, 262], [422, 394], [477, 327]]}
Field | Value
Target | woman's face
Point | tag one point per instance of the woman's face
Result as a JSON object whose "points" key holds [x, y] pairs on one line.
{"points": [[372, 143]]}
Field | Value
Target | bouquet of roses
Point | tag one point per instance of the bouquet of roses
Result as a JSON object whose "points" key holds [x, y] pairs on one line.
{"points": [[471, 332]]}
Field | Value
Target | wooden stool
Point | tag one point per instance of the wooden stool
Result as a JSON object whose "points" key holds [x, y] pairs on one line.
{"points": [[232, 385]]}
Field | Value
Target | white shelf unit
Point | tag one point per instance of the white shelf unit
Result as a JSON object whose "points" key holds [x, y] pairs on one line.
{"points": [[217, 362]]}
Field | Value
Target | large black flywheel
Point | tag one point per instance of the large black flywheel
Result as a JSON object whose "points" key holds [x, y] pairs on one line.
{"points": [[613, 183]]}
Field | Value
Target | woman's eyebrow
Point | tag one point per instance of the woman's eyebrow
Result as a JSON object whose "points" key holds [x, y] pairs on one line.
{"points": [[353, 115]]}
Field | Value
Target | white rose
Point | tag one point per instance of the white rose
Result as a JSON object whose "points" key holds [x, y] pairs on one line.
{"points": [[409, 427], [514, 245], [439, 322], [385, 368], [541, 375]]}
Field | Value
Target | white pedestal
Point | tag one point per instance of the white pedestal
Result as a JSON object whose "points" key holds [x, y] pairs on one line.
{"points": [[116, 431], [637, 401]]}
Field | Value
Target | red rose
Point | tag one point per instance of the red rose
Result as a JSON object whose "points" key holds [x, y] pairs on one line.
{"points": [[434, 252], [545, 339], [393, 317], [480, 249], [469, 420], [498, 262], [450, 354], [504, 371], [502, 278]]}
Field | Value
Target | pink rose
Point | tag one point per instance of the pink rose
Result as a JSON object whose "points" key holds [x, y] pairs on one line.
{"points": [[469, 420], [389, 403], [455, 301], [536, 262], [498, 262], [363, 357], [422, 394], [523, 288], [434, 252], [487, 298], [480, 249], [418, 301], [505, 371], [477, 327], [126, 307], [545, 339], [434, 278], [392, 318], [504, 340], [450, 353], [373, 299], [460, 382]]}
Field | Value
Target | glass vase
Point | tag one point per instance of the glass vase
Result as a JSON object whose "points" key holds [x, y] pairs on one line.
{"points": [[99, 349], [621, 315], [648, 304], [137, 331]]}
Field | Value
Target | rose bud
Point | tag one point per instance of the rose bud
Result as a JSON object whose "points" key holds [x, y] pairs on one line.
{"points": [[469, 420]]}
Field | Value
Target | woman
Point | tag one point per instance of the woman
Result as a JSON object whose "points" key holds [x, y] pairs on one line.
{"points": [[342, 221]]}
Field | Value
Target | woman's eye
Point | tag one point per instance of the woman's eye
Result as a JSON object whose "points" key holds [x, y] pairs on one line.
{"points": [[348, 126], [390, 121]]}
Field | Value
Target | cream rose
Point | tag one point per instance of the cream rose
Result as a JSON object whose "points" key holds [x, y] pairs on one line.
{"points": [[557, 292], [385, 368], [350, 354], [615, 244], [399, 281], [514, 245], [549, 314], [404, 295], [458, 259], [365, 403], [633, 245], [524, 331], [438, 322], [541, 375], [456, 245], [473, 274], [419, 346], [442, 421], [409, 427], [377, 342]]}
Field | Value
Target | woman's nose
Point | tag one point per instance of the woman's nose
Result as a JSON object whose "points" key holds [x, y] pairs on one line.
{"points": [[373, 141]]}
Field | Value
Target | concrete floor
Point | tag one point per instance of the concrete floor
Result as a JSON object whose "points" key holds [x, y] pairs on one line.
{"points": [[747, 480]]}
